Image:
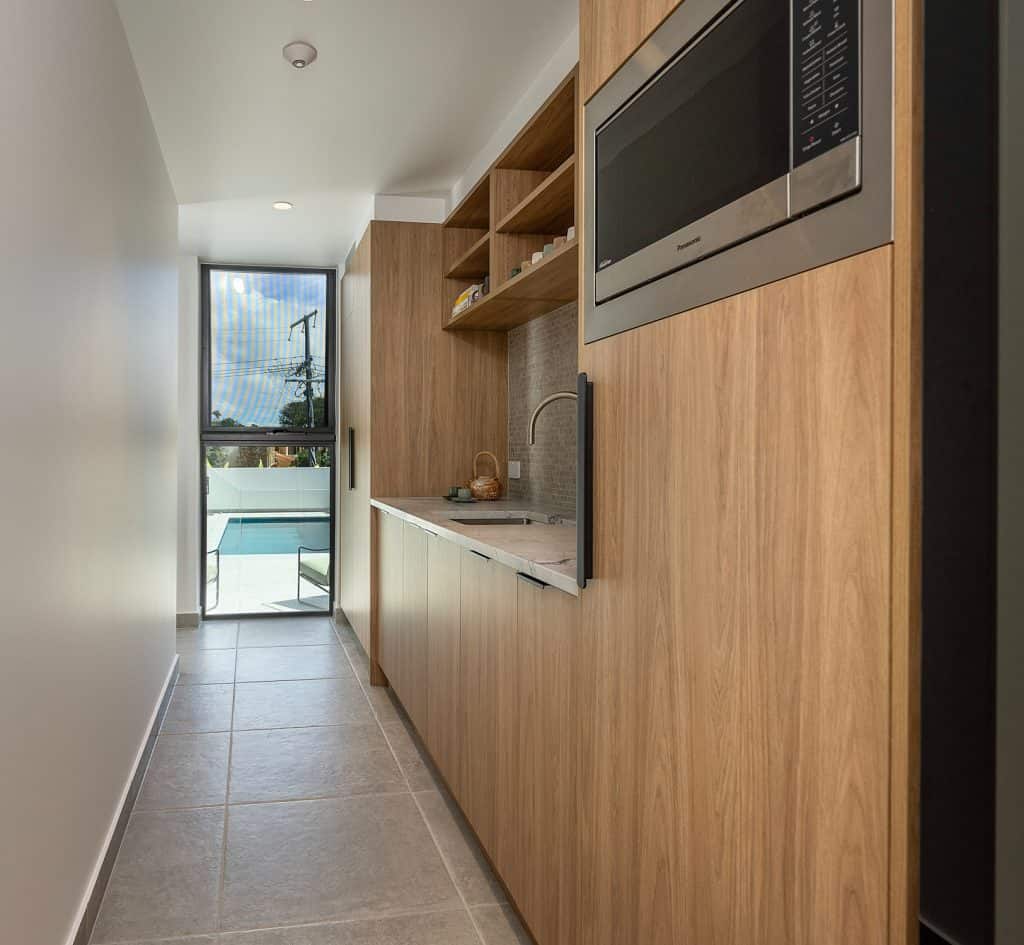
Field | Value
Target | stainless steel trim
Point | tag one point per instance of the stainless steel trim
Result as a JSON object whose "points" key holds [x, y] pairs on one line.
{"points": [[663, 45], [753, 213], [857, 223], [828, 177]]}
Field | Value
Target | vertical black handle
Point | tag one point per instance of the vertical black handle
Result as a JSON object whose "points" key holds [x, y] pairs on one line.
{"points": [[351, 458], [584, 480]]}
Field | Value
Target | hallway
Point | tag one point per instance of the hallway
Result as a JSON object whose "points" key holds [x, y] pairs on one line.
{"points": [[287, 803]]}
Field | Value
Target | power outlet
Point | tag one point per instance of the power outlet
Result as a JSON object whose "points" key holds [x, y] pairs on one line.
{"points": [[514, 471]]}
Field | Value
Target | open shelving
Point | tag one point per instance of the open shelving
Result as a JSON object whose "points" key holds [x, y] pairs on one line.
{"points": [[525, 201]]}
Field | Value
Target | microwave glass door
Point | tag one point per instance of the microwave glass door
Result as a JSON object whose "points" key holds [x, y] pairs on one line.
{"points": [[710, 128]]}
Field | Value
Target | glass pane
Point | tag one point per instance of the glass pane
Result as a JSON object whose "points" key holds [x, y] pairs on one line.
{"points": [[712, 128], [268, 529], [268, 349]]}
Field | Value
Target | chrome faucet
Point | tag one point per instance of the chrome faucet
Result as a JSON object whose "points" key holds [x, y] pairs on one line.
{"points": [[550, 399]]}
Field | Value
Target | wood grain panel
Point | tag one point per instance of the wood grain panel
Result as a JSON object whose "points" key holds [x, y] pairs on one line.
{"points": [[538, 749], [735, 784], [548, 208], [413, 692], [444, 590], [610, 32], [354, 411], [390, 592], [488, 598], [437, 397]]}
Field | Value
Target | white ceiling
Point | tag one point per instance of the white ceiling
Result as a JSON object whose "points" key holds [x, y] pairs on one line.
{"points": [[404, 94]]}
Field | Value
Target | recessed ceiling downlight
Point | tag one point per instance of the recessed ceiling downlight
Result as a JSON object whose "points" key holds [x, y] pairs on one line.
{"points": [[283, 205], [300, 54]]}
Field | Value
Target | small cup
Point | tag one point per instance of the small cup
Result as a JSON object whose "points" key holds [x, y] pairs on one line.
{"points": [[464, 493]]}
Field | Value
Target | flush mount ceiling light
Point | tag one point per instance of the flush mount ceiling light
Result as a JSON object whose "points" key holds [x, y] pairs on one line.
{"points": [[283, 205], [300, 54]]}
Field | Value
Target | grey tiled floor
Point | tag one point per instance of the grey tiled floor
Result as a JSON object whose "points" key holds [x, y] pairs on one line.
{"points": [[288, 803]]}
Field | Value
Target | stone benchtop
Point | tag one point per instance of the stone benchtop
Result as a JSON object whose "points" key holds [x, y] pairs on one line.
{"points": [[544, 549]]}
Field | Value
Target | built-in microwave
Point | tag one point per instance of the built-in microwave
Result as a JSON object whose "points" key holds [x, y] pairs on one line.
{"points": [[744, 141]]}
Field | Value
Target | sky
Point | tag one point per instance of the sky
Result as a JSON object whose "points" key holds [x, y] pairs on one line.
{"points": [[250, 314]]}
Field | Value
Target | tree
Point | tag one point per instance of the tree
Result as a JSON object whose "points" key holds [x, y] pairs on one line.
{"points": [[295, 414]]}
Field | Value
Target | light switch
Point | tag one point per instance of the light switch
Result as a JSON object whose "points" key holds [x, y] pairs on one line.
{"points": [[513, 469]]}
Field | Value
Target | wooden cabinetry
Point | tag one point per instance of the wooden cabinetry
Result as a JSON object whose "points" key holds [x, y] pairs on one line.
{"points": [[390, 584], [402, 611], [487, 663], [488, 601], [413, 690], [739, 624], [538, 752], [525, 200], [400, 377], [444, 638]]}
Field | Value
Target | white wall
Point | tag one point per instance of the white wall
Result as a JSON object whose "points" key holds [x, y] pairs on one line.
{"points": [[188, 438], [1010, 686], [88, 426]]}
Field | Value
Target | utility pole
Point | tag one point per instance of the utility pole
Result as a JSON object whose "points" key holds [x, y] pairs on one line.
{"points": [[308, 362]]}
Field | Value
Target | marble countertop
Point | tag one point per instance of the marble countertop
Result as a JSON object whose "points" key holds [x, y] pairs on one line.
{"points": [[545, 549]]}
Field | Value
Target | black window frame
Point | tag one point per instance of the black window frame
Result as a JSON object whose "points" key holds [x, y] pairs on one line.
{"points": [[318, 435]]}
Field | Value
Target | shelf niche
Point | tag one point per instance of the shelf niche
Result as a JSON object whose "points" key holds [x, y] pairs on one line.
{"points": [[525, 201]]}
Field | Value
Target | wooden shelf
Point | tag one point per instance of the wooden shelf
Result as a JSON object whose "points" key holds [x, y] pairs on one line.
{"points": [[475, 263], [550, 135], [474, 210], [549, 207], [542, 288]]}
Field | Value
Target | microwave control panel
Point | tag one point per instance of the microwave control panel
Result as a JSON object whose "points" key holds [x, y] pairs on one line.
{"points": [[826, 76]]}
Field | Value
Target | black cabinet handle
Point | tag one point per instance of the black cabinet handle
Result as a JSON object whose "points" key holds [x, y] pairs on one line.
{"points": [[351, 458], [478, 554], [531, 580], [584, 480]]}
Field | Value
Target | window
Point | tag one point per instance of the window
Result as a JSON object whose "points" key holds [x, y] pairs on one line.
{"points": [[267, 426], [267, 350]]}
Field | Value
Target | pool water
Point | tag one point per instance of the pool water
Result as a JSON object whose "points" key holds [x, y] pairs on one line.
{"points": [[274, 536]]}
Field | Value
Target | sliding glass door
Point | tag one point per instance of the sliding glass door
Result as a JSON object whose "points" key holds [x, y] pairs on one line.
{"points": [[267, 441]]}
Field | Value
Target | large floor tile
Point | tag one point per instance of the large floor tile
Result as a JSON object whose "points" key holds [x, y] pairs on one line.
{"points": [[292, 662], [415, 765], [499, 925], [300, 703], [166, 877], [434, 928], [216, 635], [186, 771], [465, 859], [287, 631], [351, 858], [199, 709], [286, 764], [202, 667]]}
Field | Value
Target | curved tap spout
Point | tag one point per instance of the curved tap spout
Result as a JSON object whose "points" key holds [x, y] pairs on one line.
{"points": [[550, 399]]}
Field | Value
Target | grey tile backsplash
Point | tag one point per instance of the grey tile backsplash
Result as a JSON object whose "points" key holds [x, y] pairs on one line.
{"points": [[542, 360]]}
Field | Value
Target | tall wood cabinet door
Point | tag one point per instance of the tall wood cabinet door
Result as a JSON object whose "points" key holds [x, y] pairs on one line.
{"points": [[354, 515], [737, 689], [444, 632], [390, 591], [413, 692], [538, 753], [488, 617]]}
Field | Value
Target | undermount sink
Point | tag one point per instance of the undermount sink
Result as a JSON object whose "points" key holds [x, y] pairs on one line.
{"points": [[494, 520]]}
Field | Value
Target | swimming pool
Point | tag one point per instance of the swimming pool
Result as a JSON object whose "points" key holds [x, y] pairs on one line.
{"points": [[274, 536]]}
